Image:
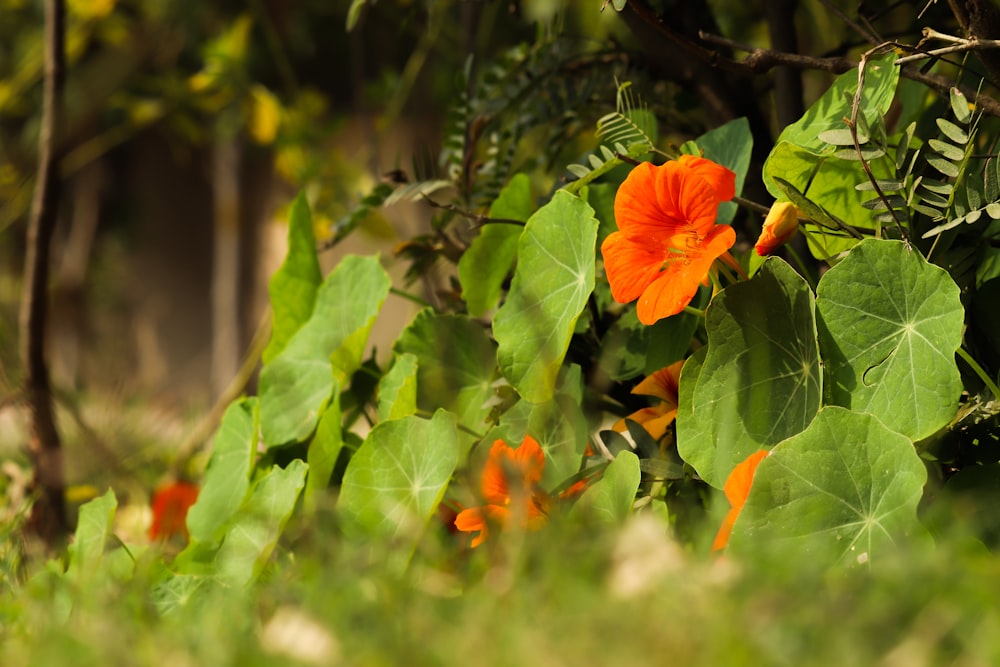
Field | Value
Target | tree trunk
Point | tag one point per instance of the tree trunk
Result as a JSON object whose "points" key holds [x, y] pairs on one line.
{"points": [[48, 518]]}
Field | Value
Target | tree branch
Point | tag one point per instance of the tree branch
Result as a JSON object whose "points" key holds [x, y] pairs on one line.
{"points": [[48, 515], [761, 60]]}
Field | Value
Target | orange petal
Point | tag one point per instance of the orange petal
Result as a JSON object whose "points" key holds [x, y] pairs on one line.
{"points": [[630, 265], [170, 506], [521, 468], [679, 281], [721, 179], [781, 223], [530, 460], [494, 480], [662, 384], [655, 203], [725, 530], [470, 521], [737, 486]]}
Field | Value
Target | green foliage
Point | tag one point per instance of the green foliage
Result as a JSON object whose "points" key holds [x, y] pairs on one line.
{"points": [[293, 287], [490, 258], [397, 478], [227, 478], [889, 325], [844, 490], [455, 362], [760, 380], [610, 499], [297, 384], [551, 285]]}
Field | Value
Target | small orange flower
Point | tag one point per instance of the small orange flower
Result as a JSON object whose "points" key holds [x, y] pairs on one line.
{"points": [[509, 483], [170, 507], [667, 239], [781, 223], [737, 488], [662, 384]]}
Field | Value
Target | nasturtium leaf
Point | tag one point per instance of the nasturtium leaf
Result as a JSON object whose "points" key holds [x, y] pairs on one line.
{"points": [[485, 266], [843, 491], [227, 476], [761, 380], [610, 499], [94, 527], [297, 383], [174, 593], [456, 365], [396, 479], [830, 110], [692, 434], [729, 145], [324, 448], [552, 281], [397, 390], [558, 425], [293, 286], [889, 325], [260, 522]]}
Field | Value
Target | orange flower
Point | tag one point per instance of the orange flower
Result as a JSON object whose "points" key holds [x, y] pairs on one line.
{"points": [[662, 384], [667, 239], [737, 488], [781, 223], [509, 484], [170, 508]]}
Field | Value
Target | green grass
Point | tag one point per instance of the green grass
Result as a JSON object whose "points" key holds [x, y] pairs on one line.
{"points": [[574, 594]]}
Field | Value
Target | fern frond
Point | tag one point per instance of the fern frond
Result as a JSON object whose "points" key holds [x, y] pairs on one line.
{"points": [[619, 129]]}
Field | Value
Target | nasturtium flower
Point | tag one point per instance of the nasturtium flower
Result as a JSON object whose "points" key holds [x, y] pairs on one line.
{"points": [[737, 489], [667, 239], [510, 487], [170, 507], [781, 223], [663, 384]]}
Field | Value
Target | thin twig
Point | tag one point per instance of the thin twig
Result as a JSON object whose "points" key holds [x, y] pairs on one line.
{"points": [[759, 61], [958, 44], [852, 124], [479, 218]]}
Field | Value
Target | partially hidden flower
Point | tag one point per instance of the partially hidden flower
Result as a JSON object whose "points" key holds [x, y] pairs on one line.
{"points": [[667, 239], [737, 489], [663, 384], [510, 487], [781, 223], [170, 507]]}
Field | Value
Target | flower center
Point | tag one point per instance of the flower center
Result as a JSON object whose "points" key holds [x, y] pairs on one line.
{"points": [[680, 247]]}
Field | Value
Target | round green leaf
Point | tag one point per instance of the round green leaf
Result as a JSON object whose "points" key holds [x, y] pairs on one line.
{"points": [[398, 476], [260, 522], [227, 477], [293, 286], [889, 325], [397, 390], [610, 499], [456, 365], [842, 491], [297, 383], [484, 267], [553, 279], [760, 381]]}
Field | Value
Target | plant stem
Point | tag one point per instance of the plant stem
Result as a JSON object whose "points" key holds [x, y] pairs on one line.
{"points": [[979, 371]]}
